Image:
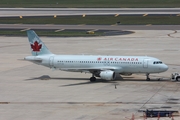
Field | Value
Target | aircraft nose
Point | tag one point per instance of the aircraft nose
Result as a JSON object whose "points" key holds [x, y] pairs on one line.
{"points": [[165, 67]]}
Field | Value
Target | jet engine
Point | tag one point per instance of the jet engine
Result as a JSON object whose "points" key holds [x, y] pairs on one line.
{"points": [[107, 75]]}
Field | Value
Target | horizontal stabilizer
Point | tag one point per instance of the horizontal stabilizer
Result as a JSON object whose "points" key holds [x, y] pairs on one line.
{"points": [[33, 59]]}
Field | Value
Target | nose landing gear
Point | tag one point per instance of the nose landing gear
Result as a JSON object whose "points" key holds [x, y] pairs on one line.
{"points": [[147, 77]]}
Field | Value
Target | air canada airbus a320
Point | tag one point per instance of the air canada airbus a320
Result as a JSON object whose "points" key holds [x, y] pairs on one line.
{"points": [[105, 67]]}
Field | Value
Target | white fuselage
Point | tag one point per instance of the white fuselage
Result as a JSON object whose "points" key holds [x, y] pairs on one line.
{"points": [[119, 64]]}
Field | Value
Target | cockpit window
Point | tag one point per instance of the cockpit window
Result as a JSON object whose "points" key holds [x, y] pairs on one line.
{"points": [[157, 62]]}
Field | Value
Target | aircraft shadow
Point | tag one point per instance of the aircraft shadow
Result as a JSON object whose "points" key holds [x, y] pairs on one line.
{"points": [[81, 83], [143, 80], [124, 78], [114, 82], [50, 78], [84, 83]]}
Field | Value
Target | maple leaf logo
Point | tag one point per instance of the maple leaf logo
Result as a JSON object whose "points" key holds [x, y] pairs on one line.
{"points": [[36, 46], [99, 58]]}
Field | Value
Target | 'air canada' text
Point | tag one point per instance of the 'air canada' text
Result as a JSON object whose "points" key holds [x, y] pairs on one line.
{"points": [[118, 59]]}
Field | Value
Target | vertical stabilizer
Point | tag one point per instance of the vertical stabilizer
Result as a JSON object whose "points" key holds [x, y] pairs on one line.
{"points": [[37, 46]]}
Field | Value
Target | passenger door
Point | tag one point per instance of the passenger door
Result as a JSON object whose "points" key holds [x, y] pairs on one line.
{"points": [[145, 63], [51, 62]]}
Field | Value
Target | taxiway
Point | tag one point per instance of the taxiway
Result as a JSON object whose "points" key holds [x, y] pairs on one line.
{"points": [[13, 12]]}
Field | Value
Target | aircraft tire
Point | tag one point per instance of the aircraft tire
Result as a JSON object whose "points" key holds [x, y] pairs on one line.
{"points": [[148, 79], [92, 79], [177, 78]]}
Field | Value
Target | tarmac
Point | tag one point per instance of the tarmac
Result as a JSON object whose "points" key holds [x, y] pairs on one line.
{"points": [[29, 91]]}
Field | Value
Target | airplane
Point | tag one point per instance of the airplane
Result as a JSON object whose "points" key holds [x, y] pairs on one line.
{"points": [[105, 67]]}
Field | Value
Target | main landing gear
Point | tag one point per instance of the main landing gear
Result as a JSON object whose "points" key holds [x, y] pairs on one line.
{"points": [[93, 79], [147, 77]]}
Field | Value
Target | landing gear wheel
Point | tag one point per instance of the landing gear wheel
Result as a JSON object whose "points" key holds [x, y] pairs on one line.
{"points": [[148, 79], [177, 78], [92, 79]]}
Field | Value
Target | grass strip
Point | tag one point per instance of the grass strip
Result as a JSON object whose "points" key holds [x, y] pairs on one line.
{"points": [[95, 20], [52, 33], [90, 3]]}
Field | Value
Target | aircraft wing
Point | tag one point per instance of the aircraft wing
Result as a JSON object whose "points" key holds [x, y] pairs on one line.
{"points": [[92, 69]]}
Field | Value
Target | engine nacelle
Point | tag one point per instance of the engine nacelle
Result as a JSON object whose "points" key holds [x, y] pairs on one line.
{"points": [[107, 75]]}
